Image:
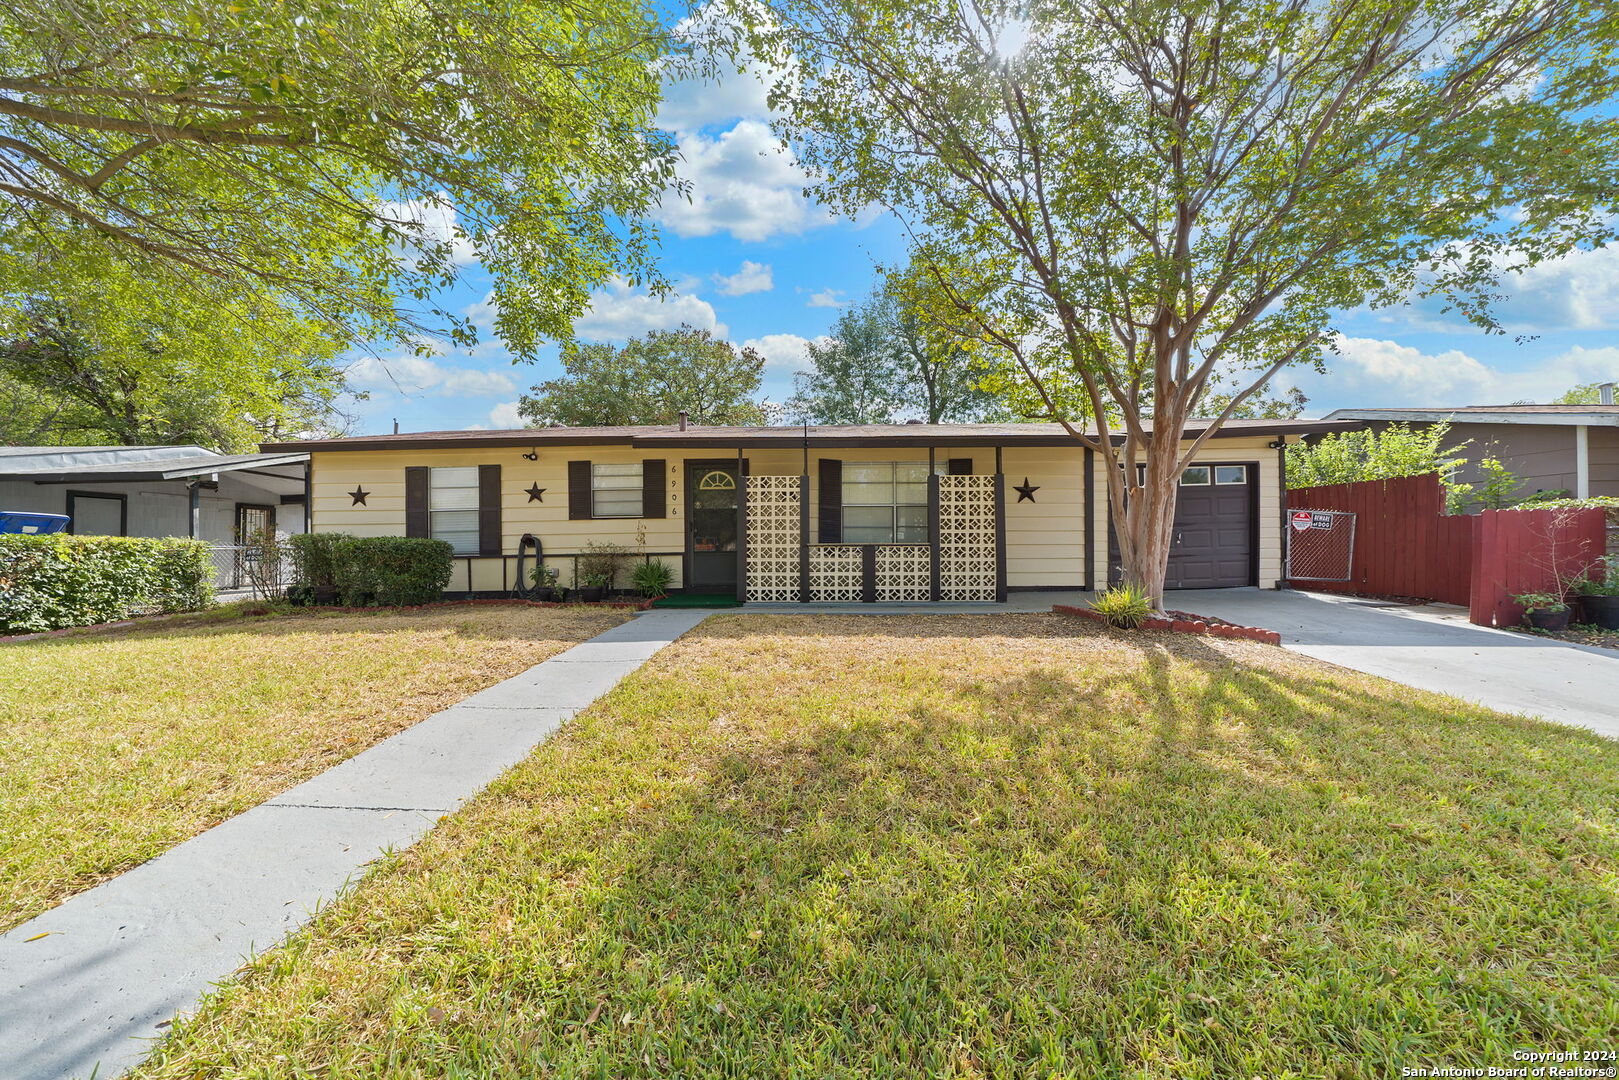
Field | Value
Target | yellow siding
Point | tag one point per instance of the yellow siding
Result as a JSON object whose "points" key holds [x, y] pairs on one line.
{"points": [[1045, 538]]}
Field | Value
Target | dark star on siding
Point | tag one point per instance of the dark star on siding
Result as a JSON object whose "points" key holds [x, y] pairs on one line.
{"points": [[1025, 490], [358, 496], [534, 492]]}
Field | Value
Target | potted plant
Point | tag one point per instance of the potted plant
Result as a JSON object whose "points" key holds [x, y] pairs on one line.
{"points": [[593, 587], [545, 582], [1123, 606], [652, 579], [1599, 595], [1544, 611]]}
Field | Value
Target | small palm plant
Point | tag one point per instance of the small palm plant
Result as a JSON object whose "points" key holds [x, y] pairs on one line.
{"points": [[1123, 605], [652, 579]]}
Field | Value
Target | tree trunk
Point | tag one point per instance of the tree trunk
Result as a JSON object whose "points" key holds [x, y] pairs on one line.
{"points": [[1144, 519]]}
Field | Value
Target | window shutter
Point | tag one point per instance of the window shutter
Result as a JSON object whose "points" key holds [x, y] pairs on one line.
{"points": [[416, 501], [579, 490], [831, 501], [488, 509], [961, 466], [654, 489]]}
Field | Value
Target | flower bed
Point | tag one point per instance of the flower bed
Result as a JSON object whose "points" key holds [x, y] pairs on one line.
{"points": [[1183, 622]]}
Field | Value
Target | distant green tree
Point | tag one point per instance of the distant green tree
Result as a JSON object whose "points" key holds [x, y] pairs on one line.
{"points": [[125, 366], [1347, 457], [649, 381], [1584, 394]]}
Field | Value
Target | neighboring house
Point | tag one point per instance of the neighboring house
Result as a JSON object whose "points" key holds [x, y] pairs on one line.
{"points": [[890, 512], [156, 490], [1573, 448]]}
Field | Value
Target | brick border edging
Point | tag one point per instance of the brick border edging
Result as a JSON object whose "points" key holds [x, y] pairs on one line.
{"points": [[144, 620], [1180, 626]]}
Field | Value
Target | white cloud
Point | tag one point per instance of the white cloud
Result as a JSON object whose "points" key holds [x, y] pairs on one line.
{"points": [[690, 105], [505, 415], [751, 278], [786, 353], [826, 298], [433, 220], [1577, 291], [618, 312], [409, 374], [743, 182], [1374, 373]]}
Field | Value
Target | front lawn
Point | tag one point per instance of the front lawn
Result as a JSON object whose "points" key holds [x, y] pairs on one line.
{"points": [[971, 846], [117, 745]]}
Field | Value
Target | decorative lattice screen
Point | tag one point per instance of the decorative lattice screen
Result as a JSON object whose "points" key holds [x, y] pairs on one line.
{"points": [[904, 572], [774, 523], [967, 537], [836, 572]]}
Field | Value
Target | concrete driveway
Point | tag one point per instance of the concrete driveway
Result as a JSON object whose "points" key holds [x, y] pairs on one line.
{"points": [[1431, 647]]}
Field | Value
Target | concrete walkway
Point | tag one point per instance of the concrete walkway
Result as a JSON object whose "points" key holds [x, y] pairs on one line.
{"points": [[121, 960], [1432, 647]]}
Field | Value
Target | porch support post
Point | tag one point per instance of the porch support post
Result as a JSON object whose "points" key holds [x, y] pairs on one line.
{"points": [[194, 493], [1582, 462], [1000, 530], [803, 535], [741, 526], [933, 526], [868, 573]]}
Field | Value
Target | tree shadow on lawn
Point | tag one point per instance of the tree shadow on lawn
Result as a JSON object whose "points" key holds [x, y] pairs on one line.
{"points": [[1149, 861]]}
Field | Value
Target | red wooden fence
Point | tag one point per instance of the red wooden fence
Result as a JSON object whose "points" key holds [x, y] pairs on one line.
{"points": [[1524, 551], [1405, 544]]}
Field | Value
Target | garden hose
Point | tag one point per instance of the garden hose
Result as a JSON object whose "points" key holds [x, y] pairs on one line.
{"points": [[525, 586]]}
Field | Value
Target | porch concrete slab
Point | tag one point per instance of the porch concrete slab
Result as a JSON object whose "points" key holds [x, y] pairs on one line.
{"points": [[1432, 647], [118, 962]]}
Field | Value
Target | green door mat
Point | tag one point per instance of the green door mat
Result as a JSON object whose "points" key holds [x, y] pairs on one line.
{"points": [[699, 600]]}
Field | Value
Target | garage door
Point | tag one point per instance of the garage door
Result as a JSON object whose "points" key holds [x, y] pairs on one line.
{"points": [[1213, 545]]}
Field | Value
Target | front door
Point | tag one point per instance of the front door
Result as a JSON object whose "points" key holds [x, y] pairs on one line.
{"points": [[252, 521], [711, 504]]}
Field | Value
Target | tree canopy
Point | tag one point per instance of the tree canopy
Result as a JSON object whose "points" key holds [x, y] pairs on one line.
{"points": [[346, 158], [1584, 394], [649, 380], [121, 365], [1137, 201]]}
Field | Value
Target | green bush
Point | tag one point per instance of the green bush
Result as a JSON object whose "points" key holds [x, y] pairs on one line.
{"points": [[48, 582], [372, 570], [652, 578]]}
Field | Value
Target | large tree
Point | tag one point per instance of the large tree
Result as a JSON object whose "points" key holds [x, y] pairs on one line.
{"points": [[885, 361], [650, 380], [122, 365], [347, 158], [1136, 200]]}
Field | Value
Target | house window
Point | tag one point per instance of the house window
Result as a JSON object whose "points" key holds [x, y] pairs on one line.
{"points": [[1231, 474], [452, 505], [615, 490], [1195, 476], [885, 502]]}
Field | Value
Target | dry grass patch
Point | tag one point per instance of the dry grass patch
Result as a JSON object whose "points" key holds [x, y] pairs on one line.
{"points": [[115, 746], [971, 846]]}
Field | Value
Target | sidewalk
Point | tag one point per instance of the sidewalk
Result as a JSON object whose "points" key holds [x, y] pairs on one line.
{"points": [[123, 959]]}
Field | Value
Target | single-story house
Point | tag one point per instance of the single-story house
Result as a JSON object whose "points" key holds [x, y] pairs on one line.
{"points": [[157, 490], [871, 512], [1572, 448]]}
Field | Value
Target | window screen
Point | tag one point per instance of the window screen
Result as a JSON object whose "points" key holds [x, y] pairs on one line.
{"points": [[885, 502], [452, 506], [615, 490]]}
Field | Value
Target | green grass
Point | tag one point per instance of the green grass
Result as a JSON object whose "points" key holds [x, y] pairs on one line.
{"points": [[115, 746], [971, 846]]}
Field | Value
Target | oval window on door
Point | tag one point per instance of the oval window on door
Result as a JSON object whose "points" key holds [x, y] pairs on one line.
{"points": [[718, 480]]}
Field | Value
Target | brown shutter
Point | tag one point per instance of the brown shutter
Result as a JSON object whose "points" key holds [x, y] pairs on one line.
{"points": [[961, 466], [579, 505], [488, 509], [654, 489], [416, 501], [831, 501]]}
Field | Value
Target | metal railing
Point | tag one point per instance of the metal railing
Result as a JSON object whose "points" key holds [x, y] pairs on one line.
{"points": [[242, 569]]}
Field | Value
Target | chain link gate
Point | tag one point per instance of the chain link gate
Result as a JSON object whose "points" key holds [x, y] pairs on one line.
{"points": [[1320, 545]]}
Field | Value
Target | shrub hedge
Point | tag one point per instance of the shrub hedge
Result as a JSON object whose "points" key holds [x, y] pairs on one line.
{"points": [[49, 582], [371, 570]]}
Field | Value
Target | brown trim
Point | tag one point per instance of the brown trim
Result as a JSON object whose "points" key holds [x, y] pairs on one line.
{"points": [[803, 536], [579, 495], [654, 489], [489, 510], [963, 466], [933, 535], [416, 519], [1281, 535], [123, 508], [741, 527], [1253, 520], [868, 573], [1000, 530], [829, 502]]}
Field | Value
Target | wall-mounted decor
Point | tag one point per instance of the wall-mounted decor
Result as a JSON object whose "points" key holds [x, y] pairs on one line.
{"points": [[358, 496], [535, 491], [1025, 490]]}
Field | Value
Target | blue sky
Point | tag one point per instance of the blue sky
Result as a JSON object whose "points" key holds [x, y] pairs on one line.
{"points": [[757, 263]]}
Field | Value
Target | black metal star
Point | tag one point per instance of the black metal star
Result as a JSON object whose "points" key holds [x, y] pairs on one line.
{"points": [[534, 492], [358, 496], [1025, 490]]}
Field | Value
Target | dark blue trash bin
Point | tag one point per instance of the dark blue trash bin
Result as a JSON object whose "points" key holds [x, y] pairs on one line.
{"points": [[17, 521]]}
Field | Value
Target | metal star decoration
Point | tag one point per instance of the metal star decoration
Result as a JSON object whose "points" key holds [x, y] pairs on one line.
{"points": [[358, 496], [1025, 490], [534, 492]]}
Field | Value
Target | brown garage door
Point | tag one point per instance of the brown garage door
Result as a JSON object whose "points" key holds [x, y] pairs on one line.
{"points": [[1213, 545]]}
